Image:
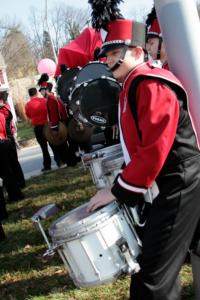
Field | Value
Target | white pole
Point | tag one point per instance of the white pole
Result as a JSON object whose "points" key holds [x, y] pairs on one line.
{"points": [[180, 28]]}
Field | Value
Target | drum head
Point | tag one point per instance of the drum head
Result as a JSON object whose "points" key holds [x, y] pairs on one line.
{"points": [[79, 132], [99, 102], [92, 71], [79, 221], [94, 98], [65, 82]]}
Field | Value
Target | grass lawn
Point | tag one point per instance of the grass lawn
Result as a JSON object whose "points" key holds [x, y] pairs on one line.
{"points": [[24, 272]]}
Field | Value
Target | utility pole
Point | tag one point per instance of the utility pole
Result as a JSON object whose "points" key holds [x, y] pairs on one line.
{"points": [[47, 26]]}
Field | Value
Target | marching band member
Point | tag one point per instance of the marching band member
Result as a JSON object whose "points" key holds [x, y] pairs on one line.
{"points": [[160, 150], [155, 45], [154, 37], [64, 153], [3, 211], [36, 112], [11, 131], [7, 173]]}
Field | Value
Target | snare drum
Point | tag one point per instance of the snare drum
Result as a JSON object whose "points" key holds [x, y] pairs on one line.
{"points": [[94, 162], [95, 95], [111, 166], [97, 247]]}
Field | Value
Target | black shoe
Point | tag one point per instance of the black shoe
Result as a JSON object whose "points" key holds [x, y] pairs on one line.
{"points": [[46, 169]]}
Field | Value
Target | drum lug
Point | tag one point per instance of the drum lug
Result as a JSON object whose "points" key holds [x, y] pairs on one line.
{"points": [[133, 266]]}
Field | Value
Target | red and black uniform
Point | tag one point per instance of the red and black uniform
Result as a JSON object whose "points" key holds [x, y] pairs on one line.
{"points": [[159, 145], [3, 212], [36, 111], [10, 130], [6, 170], [57, 113]]}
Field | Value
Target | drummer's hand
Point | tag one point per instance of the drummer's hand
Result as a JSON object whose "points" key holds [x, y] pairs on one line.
{"points": [[101, 198]]}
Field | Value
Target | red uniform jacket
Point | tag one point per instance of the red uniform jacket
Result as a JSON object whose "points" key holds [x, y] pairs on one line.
{"points": [[158, 111], [36, 111], [56, 111], [6, 111]]}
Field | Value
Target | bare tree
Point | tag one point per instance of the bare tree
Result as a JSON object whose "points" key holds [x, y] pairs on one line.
{"points": [[5, 25], [15, 49], [64, 24], [74, 21], [35, 33]]}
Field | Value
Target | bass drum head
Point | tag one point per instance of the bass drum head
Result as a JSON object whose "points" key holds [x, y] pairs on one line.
{"points": [[79, 132], [99, 102], [65, 82]]}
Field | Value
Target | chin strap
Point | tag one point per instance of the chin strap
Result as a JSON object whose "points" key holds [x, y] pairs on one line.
{"points": [[120, 61], [159, 48]]}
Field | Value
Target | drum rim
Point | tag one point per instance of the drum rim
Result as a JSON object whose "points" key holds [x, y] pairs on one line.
{"points": [[79, 228], [96, 62], [111, 163], [89, 81], [102, 150]]}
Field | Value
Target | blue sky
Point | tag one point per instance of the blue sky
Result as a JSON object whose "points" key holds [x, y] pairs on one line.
{"points": [[21, 9]]}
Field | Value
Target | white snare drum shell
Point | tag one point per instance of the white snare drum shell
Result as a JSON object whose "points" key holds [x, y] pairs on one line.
{"points": [[95, 255], [111, 166], [98, 168]]}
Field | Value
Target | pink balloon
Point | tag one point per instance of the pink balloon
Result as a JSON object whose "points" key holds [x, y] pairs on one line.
{"points": [[46, 65]]}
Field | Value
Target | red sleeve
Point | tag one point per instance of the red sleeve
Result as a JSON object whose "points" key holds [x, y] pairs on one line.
{"points": [[158, 114], [53, 111]]}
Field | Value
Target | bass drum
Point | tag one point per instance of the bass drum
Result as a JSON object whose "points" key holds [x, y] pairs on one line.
{"points": [[95, 96], [79, 132], [65, 83], [96, 247], [57, 139]]}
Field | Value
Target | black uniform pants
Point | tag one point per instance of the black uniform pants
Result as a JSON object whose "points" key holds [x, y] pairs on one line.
{"points": [[168, 233], [42, 141], [17, 169], [7, 172]]}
